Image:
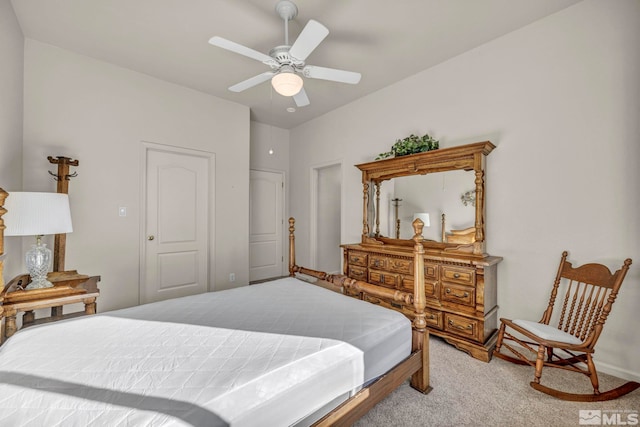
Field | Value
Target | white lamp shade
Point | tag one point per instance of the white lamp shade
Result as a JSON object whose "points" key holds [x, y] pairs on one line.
{"points": [[287, 83], [424, 217], [34, 214]]}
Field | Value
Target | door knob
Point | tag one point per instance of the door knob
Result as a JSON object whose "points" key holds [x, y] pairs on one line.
{"points": [[151, 237]]}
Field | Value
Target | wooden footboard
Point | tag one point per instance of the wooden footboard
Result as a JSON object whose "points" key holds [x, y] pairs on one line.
{"points": [[415, 366]]}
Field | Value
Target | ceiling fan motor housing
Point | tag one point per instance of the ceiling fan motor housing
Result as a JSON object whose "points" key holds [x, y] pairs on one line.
{"points": [[287, 10], [281, 55]]}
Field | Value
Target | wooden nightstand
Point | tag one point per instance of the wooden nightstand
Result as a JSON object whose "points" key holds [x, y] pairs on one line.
{"points": [[69, 287]]}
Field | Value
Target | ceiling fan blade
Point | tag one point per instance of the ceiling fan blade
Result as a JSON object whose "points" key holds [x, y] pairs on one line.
{"points": [[253, 81], [332, 74], [238, 48], [301, 99], [311, 36]]}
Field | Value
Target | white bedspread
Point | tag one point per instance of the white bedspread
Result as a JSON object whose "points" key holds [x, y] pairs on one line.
{"points": [[107, 371], [264, 355]]}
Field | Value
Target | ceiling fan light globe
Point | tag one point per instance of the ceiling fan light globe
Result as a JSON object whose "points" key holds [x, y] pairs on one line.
{"points": [[287, 84]]}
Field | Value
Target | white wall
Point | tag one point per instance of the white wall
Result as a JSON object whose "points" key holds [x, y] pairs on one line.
{"points": [[11, 71], [561, 100], [98, 113], [265, 138]]}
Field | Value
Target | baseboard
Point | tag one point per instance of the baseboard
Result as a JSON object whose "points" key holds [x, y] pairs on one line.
{"points": [[616, 371]]}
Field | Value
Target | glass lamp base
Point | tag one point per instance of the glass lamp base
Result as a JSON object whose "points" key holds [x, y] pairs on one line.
{"points": [[38, 261], [39, 284]]}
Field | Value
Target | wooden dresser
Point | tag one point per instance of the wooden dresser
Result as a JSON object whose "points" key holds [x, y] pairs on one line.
{"points": [[461, 304], [460, 279]]}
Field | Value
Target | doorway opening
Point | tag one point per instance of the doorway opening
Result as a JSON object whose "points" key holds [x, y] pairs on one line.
{"points": [[326, 217]]}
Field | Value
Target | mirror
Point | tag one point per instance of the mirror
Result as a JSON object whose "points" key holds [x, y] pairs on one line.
{"points": [[433, 182], [434, 194]]}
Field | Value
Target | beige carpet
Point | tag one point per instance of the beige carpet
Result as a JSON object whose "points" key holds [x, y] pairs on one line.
{"points": [[468, 392]]}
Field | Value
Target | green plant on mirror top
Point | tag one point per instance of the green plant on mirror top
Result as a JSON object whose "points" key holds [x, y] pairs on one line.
{"points": [[410, 145]]}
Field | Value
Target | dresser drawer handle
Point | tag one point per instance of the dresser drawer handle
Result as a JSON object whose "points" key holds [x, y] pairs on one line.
{"points": [[451, 323], [456, 275], [355, 259], [465, 295], [432, 317]]}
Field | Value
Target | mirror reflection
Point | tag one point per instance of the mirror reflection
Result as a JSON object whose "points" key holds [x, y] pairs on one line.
{"points": [[450, 193]]}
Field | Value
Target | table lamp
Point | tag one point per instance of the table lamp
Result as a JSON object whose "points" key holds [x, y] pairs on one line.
{"points": [[37, 214]]}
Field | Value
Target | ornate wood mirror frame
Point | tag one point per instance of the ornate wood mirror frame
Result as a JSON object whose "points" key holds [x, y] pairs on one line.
{"points": [[471, 157]]}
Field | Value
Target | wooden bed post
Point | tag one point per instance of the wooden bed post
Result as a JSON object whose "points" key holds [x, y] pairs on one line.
{"points": [[420, 379], [415, 366], [292, 246]]}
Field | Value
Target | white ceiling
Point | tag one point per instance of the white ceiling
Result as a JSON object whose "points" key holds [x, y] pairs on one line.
{"points": [[386, 41]]}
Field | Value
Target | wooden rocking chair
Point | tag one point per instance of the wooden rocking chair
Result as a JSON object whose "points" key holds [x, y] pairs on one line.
{"points": [[585, 295]]}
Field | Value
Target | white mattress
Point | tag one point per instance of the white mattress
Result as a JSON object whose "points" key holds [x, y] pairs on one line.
{"points": [[293, 307], [200, 360]]}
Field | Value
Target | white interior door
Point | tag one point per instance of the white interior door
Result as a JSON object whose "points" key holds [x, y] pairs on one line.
{"points": [[176, 242], [265, 227]]}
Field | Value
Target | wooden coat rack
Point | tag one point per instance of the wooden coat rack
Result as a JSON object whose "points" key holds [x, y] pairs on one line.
{"points": [[62, 177]]}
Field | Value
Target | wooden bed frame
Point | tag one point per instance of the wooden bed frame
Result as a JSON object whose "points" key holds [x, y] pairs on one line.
{"points": [[415, 366]]}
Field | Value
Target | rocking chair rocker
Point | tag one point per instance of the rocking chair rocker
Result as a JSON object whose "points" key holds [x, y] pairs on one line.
{"points": [[585, 295]]}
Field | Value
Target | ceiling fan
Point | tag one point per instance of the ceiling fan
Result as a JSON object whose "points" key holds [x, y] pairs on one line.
{"points": [[287, 61]]}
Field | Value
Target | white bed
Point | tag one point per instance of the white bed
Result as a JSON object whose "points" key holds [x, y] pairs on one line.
{"points": [[276, 354], [295, 346]]}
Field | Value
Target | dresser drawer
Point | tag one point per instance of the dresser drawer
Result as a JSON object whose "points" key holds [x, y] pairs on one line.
{"points": [[358, 273], [433, 318], [464, 276], [430, 287], [378, 261], [458, 294], [400, 265], [462, 326], [384, 278], [358, 258]]}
